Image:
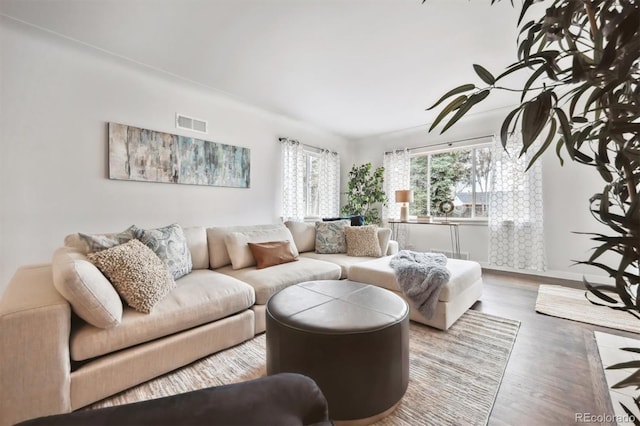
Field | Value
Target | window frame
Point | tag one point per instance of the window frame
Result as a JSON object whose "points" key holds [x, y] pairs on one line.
{"points": [[430, 151]]}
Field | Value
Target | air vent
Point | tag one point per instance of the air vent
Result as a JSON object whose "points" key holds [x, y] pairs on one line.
{"points": [[190, 123]]}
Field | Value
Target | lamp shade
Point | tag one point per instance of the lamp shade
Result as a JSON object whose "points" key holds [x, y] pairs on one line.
{"points": [[404, 196]]}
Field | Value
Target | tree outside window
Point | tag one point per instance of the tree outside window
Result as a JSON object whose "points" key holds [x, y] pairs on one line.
{"points": [[462, 176]]}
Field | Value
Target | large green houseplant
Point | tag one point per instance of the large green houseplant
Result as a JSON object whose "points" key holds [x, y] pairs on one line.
{"points": [[364, 191], [582, 96]]}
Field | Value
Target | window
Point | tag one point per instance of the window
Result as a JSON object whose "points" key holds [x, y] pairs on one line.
{"points": [[310, 181], [311, 184], [460, 175]]}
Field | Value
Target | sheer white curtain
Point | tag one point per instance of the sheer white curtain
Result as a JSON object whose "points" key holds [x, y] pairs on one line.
{"points": [[397, 168], [329, 184], [516, 232], [293, 169]]}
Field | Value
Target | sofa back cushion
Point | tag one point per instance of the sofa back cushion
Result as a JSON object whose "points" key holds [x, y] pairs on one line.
{"points": [[218, 254], [384, 236], [89, 292], [197, 242], [304, 235], [238, 247]]}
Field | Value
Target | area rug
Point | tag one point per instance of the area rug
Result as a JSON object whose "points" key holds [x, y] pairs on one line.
{"points": [[454, 375], [610, 353], [571, 304]]}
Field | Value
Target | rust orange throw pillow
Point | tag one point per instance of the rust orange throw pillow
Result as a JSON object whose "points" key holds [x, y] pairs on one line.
{"points": [[271, 253]]}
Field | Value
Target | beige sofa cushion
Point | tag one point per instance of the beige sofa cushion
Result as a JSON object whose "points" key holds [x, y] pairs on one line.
{"points": [[304, 235], [268, 281], [197, 242], [218, 254], [238, 248], [89, 292], [378, 272], [343, 260], [384, 236], [200, 297]]}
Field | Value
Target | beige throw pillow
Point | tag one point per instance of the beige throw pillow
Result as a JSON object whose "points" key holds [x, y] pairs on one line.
{"points": [[362, 241], [137, 273], [90, 293]]}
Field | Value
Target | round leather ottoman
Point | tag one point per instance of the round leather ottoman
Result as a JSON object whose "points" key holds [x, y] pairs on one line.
{"points": [[351, 338]]}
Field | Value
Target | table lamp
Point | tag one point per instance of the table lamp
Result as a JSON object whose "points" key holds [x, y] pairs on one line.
{"points": [[404, 196]]}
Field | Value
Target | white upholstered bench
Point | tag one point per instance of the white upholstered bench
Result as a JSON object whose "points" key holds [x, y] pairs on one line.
{"points": [[461, 292]]}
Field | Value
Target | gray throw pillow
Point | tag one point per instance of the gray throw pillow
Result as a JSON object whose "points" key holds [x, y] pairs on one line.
{"points": [[170, 244], [330, 236], [99, 242]]}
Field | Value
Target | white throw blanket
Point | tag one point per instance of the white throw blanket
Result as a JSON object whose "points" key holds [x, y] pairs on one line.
{"points": [[421, 276]]}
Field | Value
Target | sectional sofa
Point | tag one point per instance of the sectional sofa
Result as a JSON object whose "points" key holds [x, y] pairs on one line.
{"points": [[66, 341]]}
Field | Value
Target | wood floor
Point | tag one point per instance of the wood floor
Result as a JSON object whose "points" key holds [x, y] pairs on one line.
{"points": [[553, 371]]}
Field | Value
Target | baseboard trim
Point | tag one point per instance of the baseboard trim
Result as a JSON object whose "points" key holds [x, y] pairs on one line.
{"points": [[571, 278]]}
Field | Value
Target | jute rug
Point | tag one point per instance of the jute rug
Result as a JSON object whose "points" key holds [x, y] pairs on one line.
{"points": [[571, 303], [454, 375]]}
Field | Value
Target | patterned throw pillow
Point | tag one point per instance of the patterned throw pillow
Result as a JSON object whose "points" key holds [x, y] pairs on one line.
{"points": [[102, 242], [363, 241], [330, 237], [138, 275], [170, 244]]}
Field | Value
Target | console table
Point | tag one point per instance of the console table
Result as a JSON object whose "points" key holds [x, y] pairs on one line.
{"points": [[454, 232]]}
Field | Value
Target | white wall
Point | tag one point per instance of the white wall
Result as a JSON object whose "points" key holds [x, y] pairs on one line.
{"points": [[566, 193], [56, 98]]}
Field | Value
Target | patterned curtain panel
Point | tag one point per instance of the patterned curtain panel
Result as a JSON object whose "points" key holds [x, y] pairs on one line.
{"points": [[293, 169], [516, 232], [329, 184], [397, 168]]}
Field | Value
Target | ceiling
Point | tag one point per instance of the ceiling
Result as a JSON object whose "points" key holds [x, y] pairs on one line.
{"points": [[352, 67]]}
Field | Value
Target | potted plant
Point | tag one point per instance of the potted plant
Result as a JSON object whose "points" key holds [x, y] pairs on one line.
{"points": [[582, 96], [364, 191]]}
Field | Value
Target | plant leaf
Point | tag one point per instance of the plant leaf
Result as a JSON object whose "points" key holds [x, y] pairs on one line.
{"points": [[457, 90], [545, 145], [504, 130], [466, 106], [485, 75], [453, 105], [623, 365]]}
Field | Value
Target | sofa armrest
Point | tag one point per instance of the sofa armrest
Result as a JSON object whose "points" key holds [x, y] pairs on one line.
{"points": [[392, 248], [35, 324]]}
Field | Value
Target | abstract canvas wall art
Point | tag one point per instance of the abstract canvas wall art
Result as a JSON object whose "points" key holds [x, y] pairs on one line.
{"points": [[146, 155]]}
